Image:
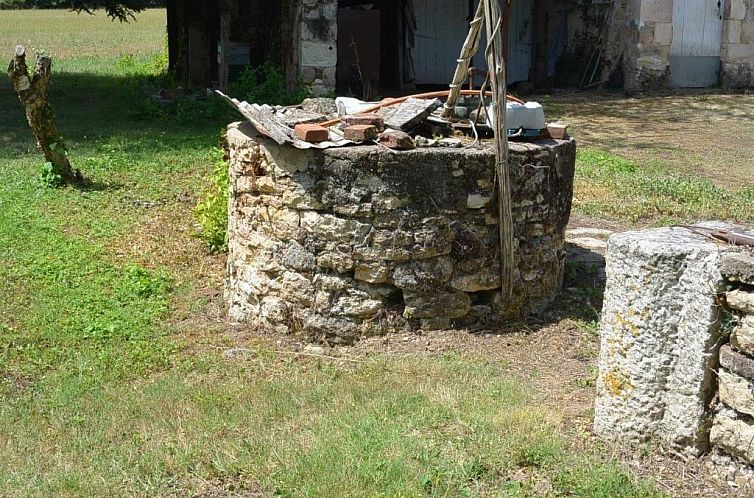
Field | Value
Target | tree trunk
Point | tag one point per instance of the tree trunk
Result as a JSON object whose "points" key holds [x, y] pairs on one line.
{"points": [[33, 93]]}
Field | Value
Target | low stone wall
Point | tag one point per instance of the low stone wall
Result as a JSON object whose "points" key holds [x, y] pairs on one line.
{"points": [[733, 427], [341, 243]]}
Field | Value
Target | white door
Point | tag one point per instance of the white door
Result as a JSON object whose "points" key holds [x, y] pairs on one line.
{"points": [[697, 39]]}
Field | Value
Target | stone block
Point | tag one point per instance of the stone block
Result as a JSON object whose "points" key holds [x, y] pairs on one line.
{"points": [[411, 113], [659, 334], [487, 278], [739, 52], [738, 266], [663, 33], [318, 54], [373, 273], [736, 392], [737, 10], [732, 31], [743, 335], [747, 32], [734, 435], [737, 362], [741, 301], [657, 11], [438, 304], [424, 275], [298, 258]]}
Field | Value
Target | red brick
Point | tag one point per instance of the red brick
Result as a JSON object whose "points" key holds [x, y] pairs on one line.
{"points": [[311, 133], [360, 133], [364, 119], [557, 131]]}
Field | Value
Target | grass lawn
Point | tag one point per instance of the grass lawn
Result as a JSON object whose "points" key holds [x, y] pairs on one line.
{"points": [[119, 377], [662, 159]]}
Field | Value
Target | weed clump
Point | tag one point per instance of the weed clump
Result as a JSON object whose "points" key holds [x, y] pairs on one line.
{"points": [[212, 212]]}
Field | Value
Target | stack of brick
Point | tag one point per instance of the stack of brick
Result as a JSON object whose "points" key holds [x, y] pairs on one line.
{"points": [[733, 426]]}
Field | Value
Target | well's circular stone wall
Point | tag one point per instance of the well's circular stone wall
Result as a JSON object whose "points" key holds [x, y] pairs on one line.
{"points": [[342, 243]]}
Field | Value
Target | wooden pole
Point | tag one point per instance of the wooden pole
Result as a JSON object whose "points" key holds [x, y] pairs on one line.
{"points": [[496, 64], [470, 47]]}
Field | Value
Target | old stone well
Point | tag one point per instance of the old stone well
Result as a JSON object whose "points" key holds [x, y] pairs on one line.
{"points": [[342, 243]]}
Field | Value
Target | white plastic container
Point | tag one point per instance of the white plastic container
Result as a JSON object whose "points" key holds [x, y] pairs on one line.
{"points": [[529, 116]]}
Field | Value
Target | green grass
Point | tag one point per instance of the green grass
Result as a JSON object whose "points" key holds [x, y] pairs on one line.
{"points": [[447, 426], [608, 185], [103, 392]]}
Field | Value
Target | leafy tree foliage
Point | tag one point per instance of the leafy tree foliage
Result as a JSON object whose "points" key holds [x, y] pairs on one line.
{"points": [[117, 9]]}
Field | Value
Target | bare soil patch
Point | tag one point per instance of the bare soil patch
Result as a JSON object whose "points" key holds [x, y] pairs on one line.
{"points": [[710, 135]]}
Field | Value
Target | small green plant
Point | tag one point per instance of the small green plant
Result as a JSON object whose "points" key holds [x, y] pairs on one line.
{"points": [[49, 177], [212, 212], [266, 85]]}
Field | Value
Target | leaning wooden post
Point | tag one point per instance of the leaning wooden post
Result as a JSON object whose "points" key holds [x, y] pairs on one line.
{"points": [[470, 47], [496, 64], [33, 93]]}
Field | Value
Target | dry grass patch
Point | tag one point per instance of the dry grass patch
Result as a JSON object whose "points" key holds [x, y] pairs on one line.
{"points": [[706, 135]]}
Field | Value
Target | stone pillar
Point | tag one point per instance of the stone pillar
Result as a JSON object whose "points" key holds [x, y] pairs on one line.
{"points": [[660, 335], [738, 44], [319, 45]]}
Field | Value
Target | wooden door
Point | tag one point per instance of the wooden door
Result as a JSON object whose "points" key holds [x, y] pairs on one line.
{"points": [[441, 28], [697, 39]]}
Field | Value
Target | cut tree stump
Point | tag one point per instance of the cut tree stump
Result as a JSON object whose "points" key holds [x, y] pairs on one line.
{"points": [[33, 92]]}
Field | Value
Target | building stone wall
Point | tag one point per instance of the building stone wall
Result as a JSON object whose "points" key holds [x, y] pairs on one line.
{"points": [[641, 36], [319, 45], [342, 243], [738, 44]]}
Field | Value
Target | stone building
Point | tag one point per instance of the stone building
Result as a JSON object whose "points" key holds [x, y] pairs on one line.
{"points": [[681, 43], [365, 48]]}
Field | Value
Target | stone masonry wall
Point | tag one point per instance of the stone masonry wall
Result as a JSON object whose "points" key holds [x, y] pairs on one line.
{"points": [[639, 40], [641, 35], [344, 243], [319, 49], [738, 44], [655, 39], [733, 427]]}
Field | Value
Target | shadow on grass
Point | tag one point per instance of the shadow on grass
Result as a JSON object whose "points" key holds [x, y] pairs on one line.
{"points": [[91, 107]]}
